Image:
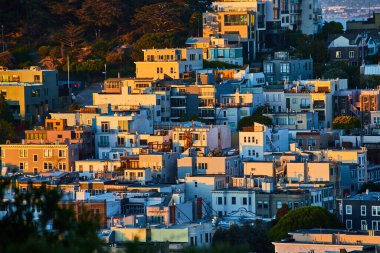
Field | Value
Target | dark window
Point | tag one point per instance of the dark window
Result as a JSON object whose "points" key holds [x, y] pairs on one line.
{"points": [[233, 200]]}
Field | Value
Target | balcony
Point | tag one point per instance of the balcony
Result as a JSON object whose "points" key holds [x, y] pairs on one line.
{"points": [[285, 12], [305, 106], [298, 11], [319, 105], [235, 105], [178, 93], [203, 104], [120, 145], [103, 144]]}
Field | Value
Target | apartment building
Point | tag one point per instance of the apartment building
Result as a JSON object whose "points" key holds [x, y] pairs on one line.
{"points": [[57, 131], [314, 96], [210, 164], [169, 63], [31, 93], [239, 22], [95, 168], [361, 212], [201, 186], [36, 158], [134, 94], [294, 120], [233, 107], [218, 49], [328, 240], [234, 201], [350, 48], [114, 131], [284, 68], [256, 140], [206, 137]]}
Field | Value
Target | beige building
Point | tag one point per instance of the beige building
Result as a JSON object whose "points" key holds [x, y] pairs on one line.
{"points": [[170, 62], [35, 158], [328, 240], [31, 93]]}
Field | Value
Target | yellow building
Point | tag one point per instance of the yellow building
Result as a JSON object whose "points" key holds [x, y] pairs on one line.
{"points": [[31, 93], [169, 63]]}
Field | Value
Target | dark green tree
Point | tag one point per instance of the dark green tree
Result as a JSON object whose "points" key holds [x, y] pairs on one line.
{"points": [[331, 28], [21, 232], [303, 218]]}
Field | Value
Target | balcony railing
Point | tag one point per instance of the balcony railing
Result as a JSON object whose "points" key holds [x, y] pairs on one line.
{"points": [[206, 104], [235, 105], [305, 105], [178, 93], [318, 106], [103, 144]]}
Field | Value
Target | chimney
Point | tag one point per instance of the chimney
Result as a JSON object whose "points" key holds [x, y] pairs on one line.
{"points": [[199, 208], [274, 175], [172, 213]]}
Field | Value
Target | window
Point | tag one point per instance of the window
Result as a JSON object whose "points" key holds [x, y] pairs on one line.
{"points": [[363, 210], [48, 153], [266, 205], [338, 54], [61, 166], [48, 166], [2, 153], [349, 224], [348, 209], [284, 67], [294, 101], [375, 210], [311, 142], [35, 158], [245, 139], [220, 199], [61, 153], [278, 204], [237, 19], [23, 153], [268, 68], [80, 168], [233, 200], [105, 127], [122, 126], [91, 168], [202, 166], [300, 144], [376, 225], [351, 54], [244, 201], [195, 184], [23, 166], [260, 204]]}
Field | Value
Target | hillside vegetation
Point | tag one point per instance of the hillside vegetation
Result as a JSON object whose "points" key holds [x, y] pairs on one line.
{"points": [[93, 32]]}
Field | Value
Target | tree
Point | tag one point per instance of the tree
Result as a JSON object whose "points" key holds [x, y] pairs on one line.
{"points": [[331, 28], [257, 117], [334, 73], [155, 40], [346, 122], [303, 218], [20, 232], [163, 17], [249, 237], [7, 132], [5, 111]]}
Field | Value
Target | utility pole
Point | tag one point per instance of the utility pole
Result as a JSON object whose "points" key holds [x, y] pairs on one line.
{"points": [[68, 73], [105, 72], [2, 37]]}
